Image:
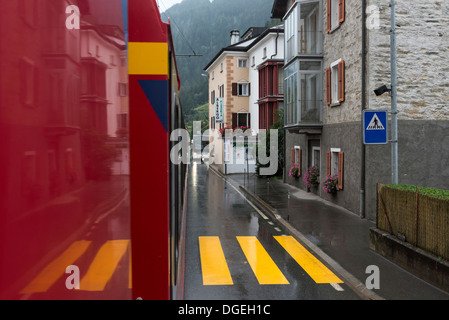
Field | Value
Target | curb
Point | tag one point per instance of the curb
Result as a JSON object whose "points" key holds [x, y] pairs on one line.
{"points": [[358, 287]]}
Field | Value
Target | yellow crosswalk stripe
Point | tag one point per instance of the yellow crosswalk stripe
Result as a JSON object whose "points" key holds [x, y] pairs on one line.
{"points": [[261, 263], [104, 265], [213, 262], [318, 271], [55, 269]]}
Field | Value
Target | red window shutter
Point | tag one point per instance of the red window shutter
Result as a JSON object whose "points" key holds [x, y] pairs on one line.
{"points": [[341, 81], [329, 21], [328, 86], [234, 120], [293, 157], [328, 164], [340, 170], [234, 89], [341, 11]]}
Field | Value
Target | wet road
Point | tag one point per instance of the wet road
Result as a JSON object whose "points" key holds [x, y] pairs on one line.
{"points": [[235, 252]]}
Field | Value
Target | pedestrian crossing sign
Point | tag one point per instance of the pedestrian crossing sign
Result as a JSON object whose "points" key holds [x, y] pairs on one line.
{"points": [[375, 127]]}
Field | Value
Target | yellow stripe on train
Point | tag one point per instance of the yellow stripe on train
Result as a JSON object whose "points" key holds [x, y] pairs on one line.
{"points": [[148, 58]]}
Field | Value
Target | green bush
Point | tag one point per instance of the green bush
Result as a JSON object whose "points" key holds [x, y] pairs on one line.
{"points": [[439, 193]]}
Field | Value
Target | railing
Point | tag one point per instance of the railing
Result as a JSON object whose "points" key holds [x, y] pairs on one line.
{"points": [[416, 218]]}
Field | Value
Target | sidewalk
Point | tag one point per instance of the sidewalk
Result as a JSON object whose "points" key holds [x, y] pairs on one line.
{"points": [[338, 236]]}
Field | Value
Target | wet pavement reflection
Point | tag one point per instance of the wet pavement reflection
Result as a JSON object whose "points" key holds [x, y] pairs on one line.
{"points": [[259, 266]]}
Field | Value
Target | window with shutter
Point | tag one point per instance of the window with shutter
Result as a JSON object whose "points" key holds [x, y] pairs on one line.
{"points": [[335, 82], [298, 160], [340, 170], [341, 81], [328, 163], [341, 11], [292, 162], [328, 86], [234, 89], [335, 14]]}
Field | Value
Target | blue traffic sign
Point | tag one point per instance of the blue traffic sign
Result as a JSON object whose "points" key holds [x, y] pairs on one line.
{"points": [[375, 127]]}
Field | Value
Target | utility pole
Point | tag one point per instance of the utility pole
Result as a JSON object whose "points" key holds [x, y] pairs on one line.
{"points": [[394, 98]]}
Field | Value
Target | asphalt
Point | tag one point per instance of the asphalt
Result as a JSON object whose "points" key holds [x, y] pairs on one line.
{"points": [[336, 235]]}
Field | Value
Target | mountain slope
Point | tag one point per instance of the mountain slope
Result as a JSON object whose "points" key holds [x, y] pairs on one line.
{"points": [[203, 27]]}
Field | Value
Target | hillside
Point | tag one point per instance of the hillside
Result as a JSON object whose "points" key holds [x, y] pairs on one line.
{"points": [[204, 27]]}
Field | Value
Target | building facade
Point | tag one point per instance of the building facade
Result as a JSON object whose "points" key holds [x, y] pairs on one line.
{"points": [[334, 61], [247, 76], [266, 73]]}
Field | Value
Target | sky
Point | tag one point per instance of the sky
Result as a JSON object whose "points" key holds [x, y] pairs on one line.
{"points": [[166, 4]]}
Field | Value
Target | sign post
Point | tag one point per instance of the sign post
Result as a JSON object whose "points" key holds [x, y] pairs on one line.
{"points": [[375, 127]]}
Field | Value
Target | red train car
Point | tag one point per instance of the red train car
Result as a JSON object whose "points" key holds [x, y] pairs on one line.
{"points": [[90, 205]]}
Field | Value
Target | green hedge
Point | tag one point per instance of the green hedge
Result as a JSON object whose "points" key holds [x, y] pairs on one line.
{"points": [[439, 193]]}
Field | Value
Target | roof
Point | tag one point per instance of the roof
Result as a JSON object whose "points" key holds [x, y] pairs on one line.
{"points": [[245, 45], [253, 32], [279, 9]]}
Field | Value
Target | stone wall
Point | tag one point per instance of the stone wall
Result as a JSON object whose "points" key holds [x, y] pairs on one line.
{"points": [[344, 43], [422, 58]]}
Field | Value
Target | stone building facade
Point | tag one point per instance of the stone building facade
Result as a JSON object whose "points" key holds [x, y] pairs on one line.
{"points": [[334, 143]]}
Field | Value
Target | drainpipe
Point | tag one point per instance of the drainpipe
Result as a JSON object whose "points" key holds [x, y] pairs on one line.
{"points": [[276, 43], [363, 149]]}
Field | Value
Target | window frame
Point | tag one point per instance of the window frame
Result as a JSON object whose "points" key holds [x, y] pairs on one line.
{"points": [[295, 116], [293, 31], [240, 91], [314, 149], [334, 160], [335, 96], [242, 63]]}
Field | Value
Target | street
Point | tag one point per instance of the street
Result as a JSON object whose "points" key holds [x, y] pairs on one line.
{"points": [[235, 252]]}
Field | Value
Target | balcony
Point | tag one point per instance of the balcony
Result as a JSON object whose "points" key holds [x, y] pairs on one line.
{"points": [[303, 96], [303, 30]]}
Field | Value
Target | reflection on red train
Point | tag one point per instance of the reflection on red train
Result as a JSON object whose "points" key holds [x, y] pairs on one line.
{"points": [[73, 200]]}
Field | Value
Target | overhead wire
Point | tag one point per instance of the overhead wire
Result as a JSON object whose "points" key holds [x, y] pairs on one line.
{"points": [[179, 29]]}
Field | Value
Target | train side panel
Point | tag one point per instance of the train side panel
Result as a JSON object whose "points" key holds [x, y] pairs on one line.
{"points": [[85, 174]]}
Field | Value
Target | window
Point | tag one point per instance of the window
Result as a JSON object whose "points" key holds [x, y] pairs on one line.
{"points": [[303, 30], [212, 97], [29, 172], [264, 53], [303, 92], [310, 30], [316, 156], [291, 30], [254, 62], [241, 89], [122, 120], [221, 67], [335, 165], [241, 119], [28, 82], [221, 91], [335, 83], [335, 14], [296, 158], [243, 63], [213, 75], [122, 89]]}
